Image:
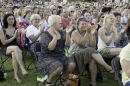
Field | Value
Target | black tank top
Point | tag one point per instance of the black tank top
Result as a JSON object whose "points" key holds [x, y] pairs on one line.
{"points": [[14, 42]]}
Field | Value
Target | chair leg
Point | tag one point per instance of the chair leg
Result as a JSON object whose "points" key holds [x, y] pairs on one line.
{"points": [[37, 83], [57, 80], [24, 62], [30, 64]]}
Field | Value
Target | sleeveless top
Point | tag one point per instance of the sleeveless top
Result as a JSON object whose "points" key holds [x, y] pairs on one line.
{"points": [[102, 45], [74, 47], [14, 42]]}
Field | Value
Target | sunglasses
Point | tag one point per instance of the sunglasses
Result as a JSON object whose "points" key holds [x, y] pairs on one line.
{"points": [[71, 11], [82, 19], [102, 17]]}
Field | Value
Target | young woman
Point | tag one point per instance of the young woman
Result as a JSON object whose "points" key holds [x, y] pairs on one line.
{"points": [[107, 37], [10, 38]]}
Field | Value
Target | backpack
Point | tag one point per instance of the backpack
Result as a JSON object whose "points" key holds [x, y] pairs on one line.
{"points": [[2, 76]]}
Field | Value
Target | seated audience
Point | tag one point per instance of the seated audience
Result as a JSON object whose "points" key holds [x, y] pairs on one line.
{"points": [[53, 61], [34, 31], [81, 50], [10, 38], [107, 37]]}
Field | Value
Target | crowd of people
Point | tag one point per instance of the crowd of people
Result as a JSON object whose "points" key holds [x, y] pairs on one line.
{"points": [[91, 31]]}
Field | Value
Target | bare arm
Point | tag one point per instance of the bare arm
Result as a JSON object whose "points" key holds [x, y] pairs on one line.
{"points": [[53, 43], [126, 67], [68, 30], [101, 34], [92, 40], [78, 40], [118, 36], [34, 38], [68, 40]]}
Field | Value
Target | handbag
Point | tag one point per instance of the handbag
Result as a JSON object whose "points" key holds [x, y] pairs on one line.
{"points": [[73, 80]]}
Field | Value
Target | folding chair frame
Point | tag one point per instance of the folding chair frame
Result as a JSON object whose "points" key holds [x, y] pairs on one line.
{"points": [[114, 63]]}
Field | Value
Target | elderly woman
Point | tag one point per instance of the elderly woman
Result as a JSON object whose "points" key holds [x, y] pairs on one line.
{"points": [[82, 51], [10, 39], [107, 37], [34, 31], [53, 61]]}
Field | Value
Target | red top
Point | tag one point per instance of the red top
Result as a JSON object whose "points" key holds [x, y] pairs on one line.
{"points": [[65, 22]]}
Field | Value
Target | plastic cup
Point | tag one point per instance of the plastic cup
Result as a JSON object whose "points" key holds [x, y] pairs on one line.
{"points": [[5, 75]]}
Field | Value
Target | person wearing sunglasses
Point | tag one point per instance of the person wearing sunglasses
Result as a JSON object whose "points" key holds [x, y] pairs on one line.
{"points": [[82, 50], [71, 11]]}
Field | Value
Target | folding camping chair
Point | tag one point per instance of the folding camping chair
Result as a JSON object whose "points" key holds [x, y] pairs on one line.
{"points": [[37, 49], [116, 67]]}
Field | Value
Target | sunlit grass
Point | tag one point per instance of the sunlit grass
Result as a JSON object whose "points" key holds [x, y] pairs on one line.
{"points": [[30, 80]]}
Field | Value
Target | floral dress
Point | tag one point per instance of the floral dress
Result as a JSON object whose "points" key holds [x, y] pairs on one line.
{"points": [[49, 61]]}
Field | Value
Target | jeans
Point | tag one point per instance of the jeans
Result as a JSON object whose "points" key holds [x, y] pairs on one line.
{"points": [[128, 83]]}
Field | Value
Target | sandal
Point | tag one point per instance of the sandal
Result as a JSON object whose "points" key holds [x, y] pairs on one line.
{"points": [[17, 79], [47, 82], [24, 72], [63, 80]]}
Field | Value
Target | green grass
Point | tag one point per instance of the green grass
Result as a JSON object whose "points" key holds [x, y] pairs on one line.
{"points": [[30, 80]]}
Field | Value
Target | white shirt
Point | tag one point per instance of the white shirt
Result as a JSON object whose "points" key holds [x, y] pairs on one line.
{"points": [[124, 19], [32, 30], [46, 25], [102, 45]]}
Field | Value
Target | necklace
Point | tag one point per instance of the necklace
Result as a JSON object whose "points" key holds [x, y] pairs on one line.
{"points": [[107, 31]]}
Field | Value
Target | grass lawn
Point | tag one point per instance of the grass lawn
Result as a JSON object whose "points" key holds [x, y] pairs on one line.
{"points": [[30, 80]]}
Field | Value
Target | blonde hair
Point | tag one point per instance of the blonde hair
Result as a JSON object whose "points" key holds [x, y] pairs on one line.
{"points": [[99, 16], [52, 19], [106, 17], [46, 12], [75, 15], [34, 16], [26, 12], [19, 11]]}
